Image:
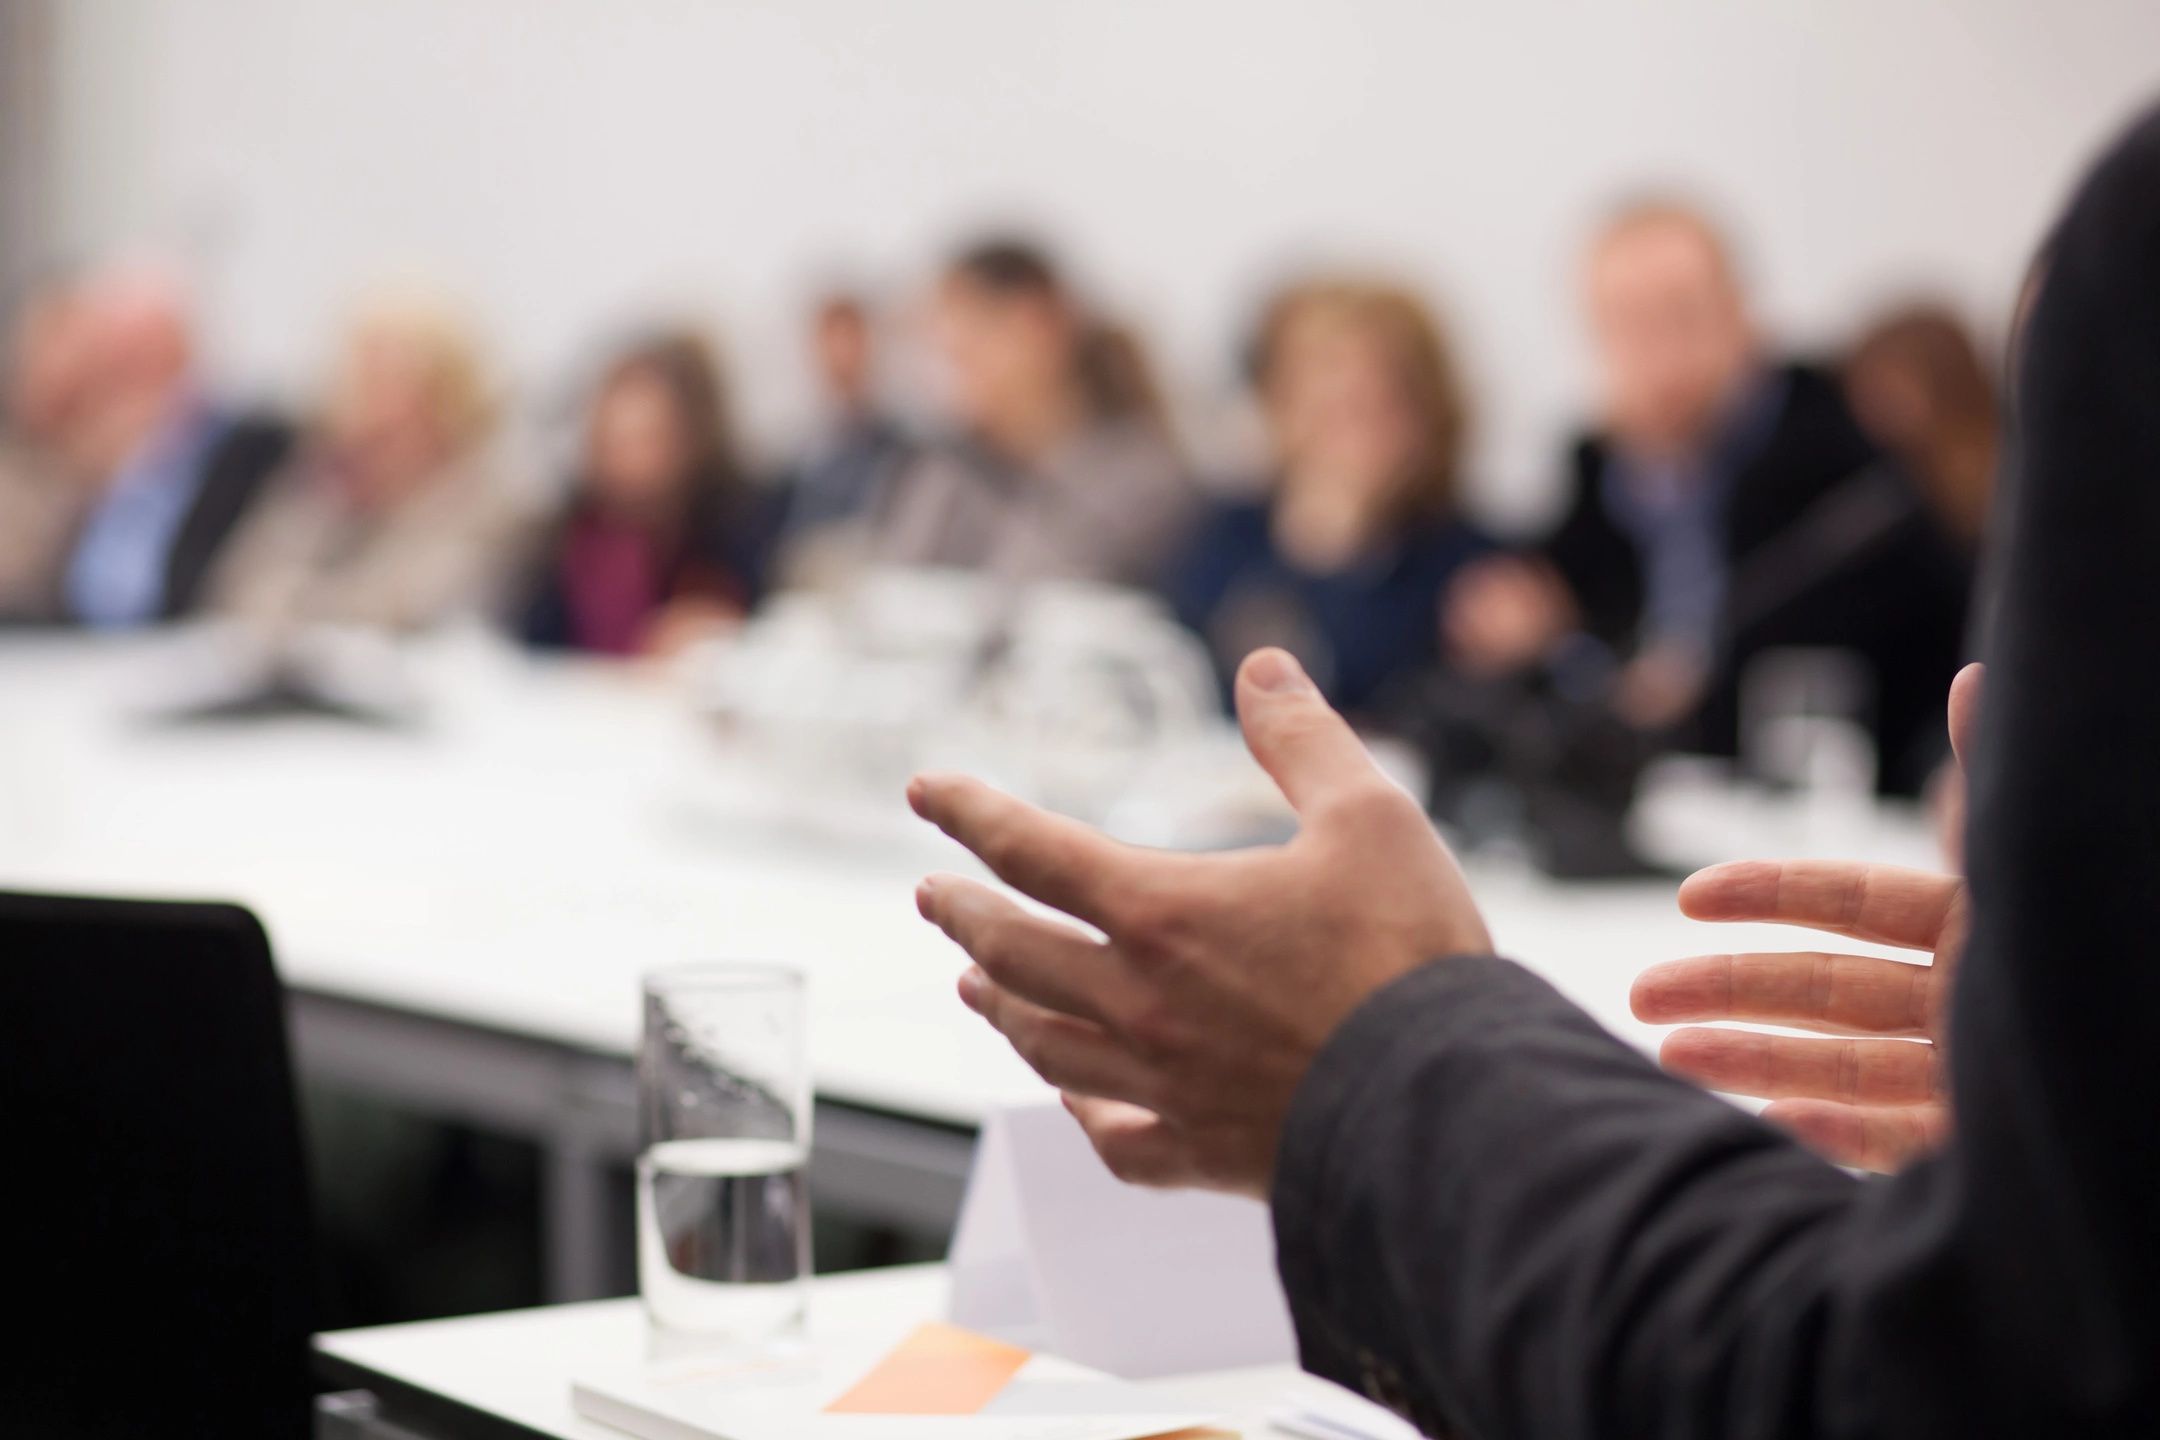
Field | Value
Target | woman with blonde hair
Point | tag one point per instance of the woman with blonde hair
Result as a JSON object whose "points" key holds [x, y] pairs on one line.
{"points": [[1344, 556], [391, 516]]}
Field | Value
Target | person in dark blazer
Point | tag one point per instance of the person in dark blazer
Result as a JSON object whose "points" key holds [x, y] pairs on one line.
{"points": [[171, 471], [660, 538], [1728, 504], [1501, 1220], [1343, 557]]}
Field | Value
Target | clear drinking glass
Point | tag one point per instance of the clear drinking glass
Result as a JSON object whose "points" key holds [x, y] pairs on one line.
{"points": [[1804, 722], [723, 1204]]}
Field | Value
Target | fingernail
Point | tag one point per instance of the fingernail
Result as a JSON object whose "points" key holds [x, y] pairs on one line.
{"points": [[1275, 671], [971, 988], [924, 892], [916, 790]]}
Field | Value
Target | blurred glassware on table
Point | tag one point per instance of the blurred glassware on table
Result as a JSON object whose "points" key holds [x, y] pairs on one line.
{"points": [[1063, 693], [1806, 728], [1803, 784], [724, 1108], [1088, 682]]}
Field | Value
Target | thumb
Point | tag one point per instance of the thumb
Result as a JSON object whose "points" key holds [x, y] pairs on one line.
{"points": [[1965, 712], [1308, 749]]}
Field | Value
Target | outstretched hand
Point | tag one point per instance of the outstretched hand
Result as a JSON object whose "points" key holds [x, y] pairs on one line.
{"points": [[1876, 1095], [1179, 1036]]}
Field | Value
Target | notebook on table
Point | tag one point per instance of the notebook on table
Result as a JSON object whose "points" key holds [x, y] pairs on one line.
{"points": [[936, 1381]]}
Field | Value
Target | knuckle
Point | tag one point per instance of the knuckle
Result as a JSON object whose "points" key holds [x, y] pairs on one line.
{"points": [[1373, 804], [993, 948], [1821, 983], [1153, 916], [1849, 1075], [999, 847], [1031, 1044], [1118, 1158], [1154, 1028], [1134, 1157]]}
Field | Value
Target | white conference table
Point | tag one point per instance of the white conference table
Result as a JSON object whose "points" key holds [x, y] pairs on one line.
{"points": [[463, 911], [508, 1375]]}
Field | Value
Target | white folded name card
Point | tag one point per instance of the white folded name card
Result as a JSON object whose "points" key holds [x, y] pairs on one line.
{"points": [[1054, 1253]]}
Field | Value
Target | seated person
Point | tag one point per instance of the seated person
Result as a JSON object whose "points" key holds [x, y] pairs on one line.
{"points": [[391, 517], [657, 542], [1729, 504], [1917, 383], [40, 505], [1344, 559], [842, 479], [169, 472], [1064, 467]]}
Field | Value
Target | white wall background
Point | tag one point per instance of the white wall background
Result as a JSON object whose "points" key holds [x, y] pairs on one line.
{"points": [[575, 165]]}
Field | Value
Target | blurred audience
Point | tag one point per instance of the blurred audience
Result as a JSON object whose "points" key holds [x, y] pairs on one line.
{"points": [[658, 541], [40, 504], [1064, 466], [1916, 381], [1727, 504], [170, 471], [1343, 558], [843, 478], [392, 515]]}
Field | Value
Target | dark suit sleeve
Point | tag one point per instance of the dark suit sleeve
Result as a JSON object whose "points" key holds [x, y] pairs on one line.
{"points": [[1497, 1217], [1597, 563], [239, 467]]}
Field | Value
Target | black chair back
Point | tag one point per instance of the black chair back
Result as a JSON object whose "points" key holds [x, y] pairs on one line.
{"points": [[156, 1218]]}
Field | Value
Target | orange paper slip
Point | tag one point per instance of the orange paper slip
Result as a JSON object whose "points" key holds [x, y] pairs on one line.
{"points": [[938, 1370]]}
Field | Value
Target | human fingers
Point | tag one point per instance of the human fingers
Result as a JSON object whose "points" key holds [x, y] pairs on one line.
{"points": [[1808, 989], [1071, 1054], [1887, 904], [1304, 745], [1136, 1144], [1965, 712], [1867, 1137], [1040, 960], [1058, 861], [1786, 1067]]}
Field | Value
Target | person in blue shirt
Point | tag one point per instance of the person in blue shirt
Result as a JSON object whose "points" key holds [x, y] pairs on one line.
{"points": [[1344, 554], [170, 473]]}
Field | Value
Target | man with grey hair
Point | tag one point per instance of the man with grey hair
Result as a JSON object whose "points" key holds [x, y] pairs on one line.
{"points": [[170, 471]]}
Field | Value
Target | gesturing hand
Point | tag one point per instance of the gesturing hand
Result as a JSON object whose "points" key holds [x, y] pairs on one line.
{"points": [[1874, 1099], [1179, 1037]]}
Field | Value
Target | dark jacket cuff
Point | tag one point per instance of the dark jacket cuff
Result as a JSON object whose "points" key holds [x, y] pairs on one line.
{"points": [[1332, 1271]]}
